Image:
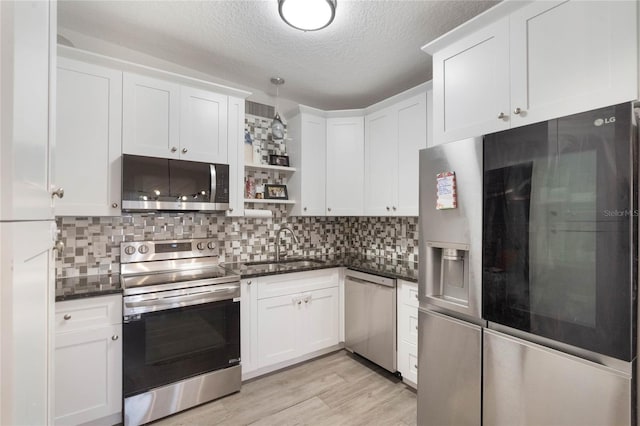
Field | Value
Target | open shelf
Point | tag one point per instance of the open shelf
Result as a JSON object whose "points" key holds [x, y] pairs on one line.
{"points": [[268, 201], [269, 167]]}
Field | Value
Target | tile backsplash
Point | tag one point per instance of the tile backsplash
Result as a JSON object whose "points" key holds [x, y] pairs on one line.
{"points": [[92, 244]]}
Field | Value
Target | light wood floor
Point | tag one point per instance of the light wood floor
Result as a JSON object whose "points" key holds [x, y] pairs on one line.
{"points": [[337, 389]]}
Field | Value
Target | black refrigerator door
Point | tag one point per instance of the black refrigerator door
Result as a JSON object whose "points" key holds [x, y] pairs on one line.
{"points": [[559, 227]]}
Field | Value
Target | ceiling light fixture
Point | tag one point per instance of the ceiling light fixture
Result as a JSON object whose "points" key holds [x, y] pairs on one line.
{"points": [[277, 128], [307, 15]]}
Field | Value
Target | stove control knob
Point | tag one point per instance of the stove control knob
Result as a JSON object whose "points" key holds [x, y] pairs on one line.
{"points": [[211, 245], [143, 249], [129, 250], [200, 246]]}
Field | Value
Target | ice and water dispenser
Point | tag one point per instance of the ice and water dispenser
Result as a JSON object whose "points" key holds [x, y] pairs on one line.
{"points": [[448, 272]]}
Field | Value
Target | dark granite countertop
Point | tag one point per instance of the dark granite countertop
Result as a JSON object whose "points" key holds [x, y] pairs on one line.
{"points": [[390, 268], [100, 285], [87, 286]]}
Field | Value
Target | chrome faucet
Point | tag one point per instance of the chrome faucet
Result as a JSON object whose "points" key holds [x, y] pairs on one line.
{"points": [[295, 239]]}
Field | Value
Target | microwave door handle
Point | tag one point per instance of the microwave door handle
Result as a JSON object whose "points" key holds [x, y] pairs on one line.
{"points": [[214, 184]]}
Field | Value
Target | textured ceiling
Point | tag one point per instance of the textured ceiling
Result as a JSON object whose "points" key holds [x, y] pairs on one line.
{"points": [[370, 51]]}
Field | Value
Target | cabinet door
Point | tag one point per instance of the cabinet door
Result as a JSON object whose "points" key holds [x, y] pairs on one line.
{"points": [[203, 126], [88, 374], [26, 297], [320, 325], [235, 137], [150, 116], [25, 175], [249, 324], [308, 153], [381, 153], [471, 85], [345, 166], [89, 139], [572, 56], [412, 137], [278, 324]]}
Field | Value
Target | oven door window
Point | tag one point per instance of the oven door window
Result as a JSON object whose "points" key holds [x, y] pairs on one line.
{"points": [[559, 214], [167, 346]]}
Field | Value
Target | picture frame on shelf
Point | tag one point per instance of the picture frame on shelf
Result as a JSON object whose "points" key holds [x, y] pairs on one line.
{"points": [[279, 160], [275, 192]]}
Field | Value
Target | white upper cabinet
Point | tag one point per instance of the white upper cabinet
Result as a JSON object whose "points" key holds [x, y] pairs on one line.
{"points": [[572, 56], [27, 62], [308, 151], [345, 166], [412, 137], [88, 140], [151, 117], [471, 85], [203, 126], [393, 137], [532, 62], [164, 119], [381, 153]]}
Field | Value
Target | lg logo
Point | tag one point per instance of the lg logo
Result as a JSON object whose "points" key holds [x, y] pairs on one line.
{"points": [[600, 121]]}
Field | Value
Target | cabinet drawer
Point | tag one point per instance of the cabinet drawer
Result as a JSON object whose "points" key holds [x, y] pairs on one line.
{"points": [[408, 361], [408, 324], [408, 293], [297, 282], [90, 312]]}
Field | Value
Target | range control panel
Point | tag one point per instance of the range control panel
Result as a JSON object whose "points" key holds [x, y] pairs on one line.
{"points": [[143, 251]]}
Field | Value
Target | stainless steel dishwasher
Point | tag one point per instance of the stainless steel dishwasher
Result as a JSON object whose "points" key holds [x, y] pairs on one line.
{"points": [[370, 318]]}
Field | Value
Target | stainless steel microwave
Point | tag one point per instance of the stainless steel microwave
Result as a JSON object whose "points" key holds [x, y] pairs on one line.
{"points": [[151, 184]]}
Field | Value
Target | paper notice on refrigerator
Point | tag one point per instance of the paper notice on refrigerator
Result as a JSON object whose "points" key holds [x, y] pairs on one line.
{"points": [[446, 186]]}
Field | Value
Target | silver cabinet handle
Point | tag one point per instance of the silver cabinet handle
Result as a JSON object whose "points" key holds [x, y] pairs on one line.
{"points": [[329, 209], [305, 209], [59, 246], [58, 193], [416, 296], [388, 208], [517, 111], [415, 366], [67, 316], [394, 208], [174, 149], [299, 302], [416, 328], [184, 150], [502, 116], [230, 209], [114, 337], [249, 282], [114, 205]]}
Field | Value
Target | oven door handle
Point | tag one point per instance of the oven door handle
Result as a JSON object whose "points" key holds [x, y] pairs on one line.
{"points": [[216, 294]]}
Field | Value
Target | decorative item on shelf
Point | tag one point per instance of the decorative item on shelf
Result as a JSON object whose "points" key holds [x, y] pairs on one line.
{"points": [[260, 191], [275, 192], [248, 148], [277, 128], [279, 160], [250, 188], [257, 151]]}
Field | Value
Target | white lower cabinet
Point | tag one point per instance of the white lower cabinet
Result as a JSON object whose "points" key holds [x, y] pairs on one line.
{"points": [[287, 317], [408, 331], [88, 361]]}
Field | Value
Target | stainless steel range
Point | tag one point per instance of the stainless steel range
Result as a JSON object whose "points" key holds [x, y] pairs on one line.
{"points": [[181, 327]]}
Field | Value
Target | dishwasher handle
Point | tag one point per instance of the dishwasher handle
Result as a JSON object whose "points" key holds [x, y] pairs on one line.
{"points": [[364, 278]]}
